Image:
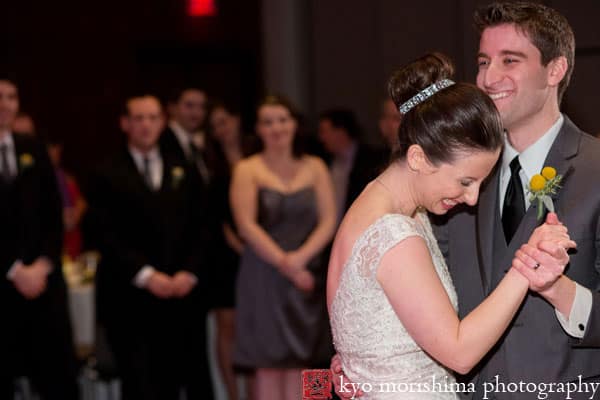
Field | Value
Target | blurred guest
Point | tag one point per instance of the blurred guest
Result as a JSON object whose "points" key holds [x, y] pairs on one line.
{"points": [[24, 124], [73, 203], [226, 145], [184, 136], [389, 122], [284, 209], [35, 339], [150, 281], [353, 164]]}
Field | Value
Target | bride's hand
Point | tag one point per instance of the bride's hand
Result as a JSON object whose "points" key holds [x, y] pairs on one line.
{"points": [[338, 377], [543, 265]]}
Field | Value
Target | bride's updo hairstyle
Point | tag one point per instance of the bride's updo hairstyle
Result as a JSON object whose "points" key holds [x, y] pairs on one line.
{"points": [[458, 118]]}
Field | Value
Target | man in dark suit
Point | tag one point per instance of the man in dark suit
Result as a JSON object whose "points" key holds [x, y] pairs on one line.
{"points": [[526, 57], [35, 337], [353, 163], [150, 281], [185, 135]]}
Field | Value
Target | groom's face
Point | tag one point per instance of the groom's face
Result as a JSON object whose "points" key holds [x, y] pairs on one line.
{"points": [[510, 71]]}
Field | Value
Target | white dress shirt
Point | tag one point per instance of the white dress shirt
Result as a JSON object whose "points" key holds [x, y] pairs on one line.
{"points": [[11, 153], [183, 137], [532, 161], [187, 140], [155, 165]]}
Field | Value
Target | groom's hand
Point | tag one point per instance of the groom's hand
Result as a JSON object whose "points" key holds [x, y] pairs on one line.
{"points": [[551, 230], [342, 385], [543, 260]]}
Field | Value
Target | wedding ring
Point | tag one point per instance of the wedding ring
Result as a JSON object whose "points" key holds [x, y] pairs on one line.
{"points": [[536, 266]]}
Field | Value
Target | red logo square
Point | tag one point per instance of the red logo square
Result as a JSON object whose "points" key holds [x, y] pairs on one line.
{"points": [[316, 384]]}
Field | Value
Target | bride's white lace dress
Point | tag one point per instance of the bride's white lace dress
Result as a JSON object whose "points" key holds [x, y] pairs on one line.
{"points": [[375, 348]]}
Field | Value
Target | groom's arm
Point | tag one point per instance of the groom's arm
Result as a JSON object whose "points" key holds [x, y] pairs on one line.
{"points": [[588, 304], [578, 307], [583, 320]]}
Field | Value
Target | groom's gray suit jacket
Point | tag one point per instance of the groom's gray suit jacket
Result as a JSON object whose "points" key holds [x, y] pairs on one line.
{"points": [[535, 348]]}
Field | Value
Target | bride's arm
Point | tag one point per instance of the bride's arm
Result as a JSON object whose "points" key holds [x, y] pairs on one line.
{"points": [[415, 291]]}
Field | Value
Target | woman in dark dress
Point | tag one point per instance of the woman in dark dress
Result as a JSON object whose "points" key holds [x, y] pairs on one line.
{"points": [[284, 208], [226, 146]]}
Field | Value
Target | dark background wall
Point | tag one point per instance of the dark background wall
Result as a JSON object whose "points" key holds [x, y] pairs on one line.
{"points": [[76, 61], [357, 45]]}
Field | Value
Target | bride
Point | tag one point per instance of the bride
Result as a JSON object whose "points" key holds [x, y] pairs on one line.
{"points": [[391, 301]]}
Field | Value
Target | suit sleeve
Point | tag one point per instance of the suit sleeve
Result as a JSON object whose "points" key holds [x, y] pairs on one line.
{"points": [[591, 337], [592, 332], [103, 219], [51, 210], [201, 227]]}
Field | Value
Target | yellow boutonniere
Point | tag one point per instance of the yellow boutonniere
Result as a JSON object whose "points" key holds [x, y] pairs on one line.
{"points": [[26, 160], [177, 175], [541, 187]]}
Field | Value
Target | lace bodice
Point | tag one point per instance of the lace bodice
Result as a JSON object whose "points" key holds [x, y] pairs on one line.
{"points": [[373, 344]]}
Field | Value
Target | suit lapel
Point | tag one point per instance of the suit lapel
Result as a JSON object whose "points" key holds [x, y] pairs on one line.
{"points": [[166, 183], [565, 146], [486, 215], [22, 153], [134, 176]]}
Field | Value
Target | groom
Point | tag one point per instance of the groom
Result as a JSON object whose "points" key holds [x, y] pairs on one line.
{"points": [[526, 58]]}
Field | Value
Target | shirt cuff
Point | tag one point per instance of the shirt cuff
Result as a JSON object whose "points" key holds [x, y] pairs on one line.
{"points": [[141, 278], [10, 275], [580, 313]]}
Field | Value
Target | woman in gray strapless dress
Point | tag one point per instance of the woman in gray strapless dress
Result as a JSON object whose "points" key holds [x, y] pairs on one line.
{"points": [[283, 206], [281, 326]]}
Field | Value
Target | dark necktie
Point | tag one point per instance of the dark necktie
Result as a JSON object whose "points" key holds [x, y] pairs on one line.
{"points": [[147, 174], [514, 202], [198, 161], [5, 174]]}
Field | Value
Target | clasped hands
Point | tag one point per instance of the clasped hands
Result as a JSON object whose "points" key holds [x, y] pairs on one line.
{"points": [[542, 260], [165, 286], [293, 266]]}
